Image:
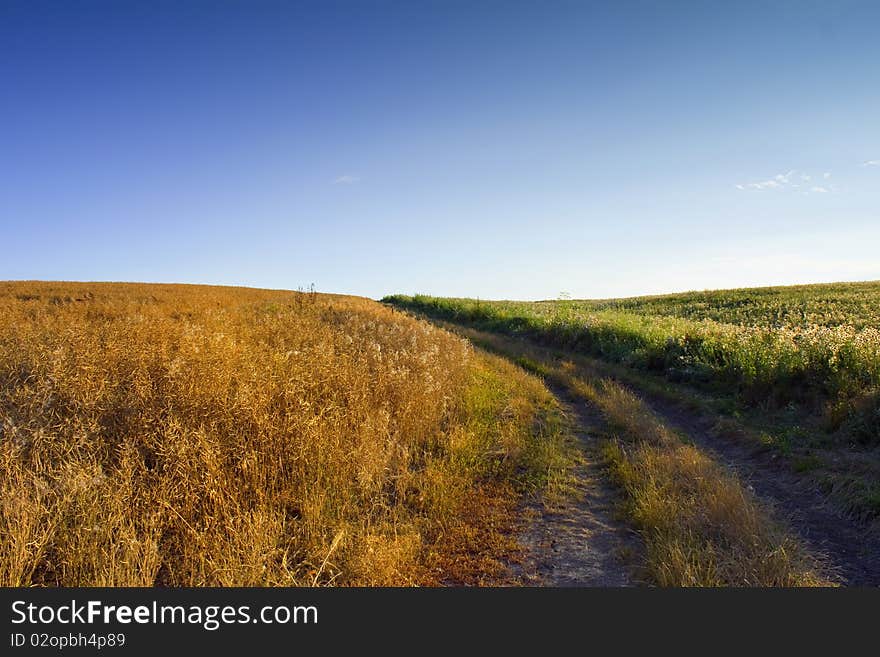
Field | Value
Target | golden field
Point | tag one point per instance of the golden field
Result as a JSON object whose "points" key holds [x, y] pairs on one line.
{"points": [[191, 435]]}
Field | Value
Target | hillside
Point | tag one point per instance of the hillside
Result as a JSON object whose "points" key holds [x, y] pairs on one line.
{"points": [[203, 436]]}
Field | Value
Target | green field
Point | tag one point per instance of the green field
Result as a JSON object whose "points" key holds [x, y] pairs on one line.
{"points": [[812, 347], [801, 306]]}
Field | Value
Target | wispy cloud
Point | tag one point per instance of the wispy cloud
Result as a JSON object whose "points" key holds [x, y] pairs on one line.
{"points": [[764, 184], [347, 179], [789, 180], [871, 163]]}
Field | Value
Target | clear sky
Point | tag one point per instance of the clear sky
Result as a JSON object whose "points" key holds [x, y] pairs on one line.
{"points": [[491, 149]]}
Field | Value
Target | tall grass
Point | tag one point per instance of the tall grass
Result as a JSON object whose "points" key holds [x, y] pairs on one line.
{"points": [[182, 435]]}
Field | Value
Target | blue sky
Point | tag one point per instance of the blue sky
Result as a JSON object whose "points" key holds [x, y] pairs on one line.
{"points": [[499, 150]]}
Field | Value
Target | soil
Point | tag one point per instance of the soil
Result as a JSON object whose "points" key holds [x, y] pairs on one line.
{"points": [[578, 541]]}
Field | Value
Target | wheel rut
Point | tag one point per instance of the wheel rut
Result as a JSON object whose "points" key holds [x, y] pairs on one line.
{"points": [[578, 541], [851, 552]]}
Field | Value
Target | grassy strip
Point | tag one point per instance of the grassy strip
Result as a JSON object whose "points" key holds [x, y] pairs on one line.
{"points": [[701, 526]]}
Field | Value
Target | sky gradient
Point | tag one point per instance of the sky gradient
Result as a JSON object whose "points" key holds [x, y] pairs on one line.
{"points": [[483, 149]]}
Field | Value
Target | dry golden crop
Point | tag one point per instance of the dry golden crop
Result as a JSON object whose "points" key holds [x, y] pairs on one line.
{"points": [[191, 435]]}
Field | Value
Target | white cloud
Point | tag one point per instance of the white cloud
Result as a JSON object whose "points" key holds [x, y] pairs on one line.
{"points": [[791, 180], [777, 181], [872, 163], [764, 184], [784, 178], [347, 179]]}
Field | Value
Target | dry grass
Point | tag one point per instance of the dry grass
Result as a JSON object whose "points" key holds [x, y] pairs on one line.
{"points": [[183, 435], [702, 526]]}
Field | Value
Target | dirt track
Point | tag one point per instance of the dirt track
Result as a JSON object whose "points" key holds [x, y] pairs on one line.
{"points": [[578, 542], [849, 552]]}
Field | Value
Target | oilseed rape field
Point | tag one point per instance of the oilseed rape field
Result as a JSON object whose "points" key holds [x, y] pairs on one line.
{"points": [[204, 436]]}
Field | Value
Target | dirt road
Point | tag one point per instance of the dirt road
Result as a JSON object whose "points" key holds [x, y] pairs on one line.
{"points": [[849, 552], [578, 541]]}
